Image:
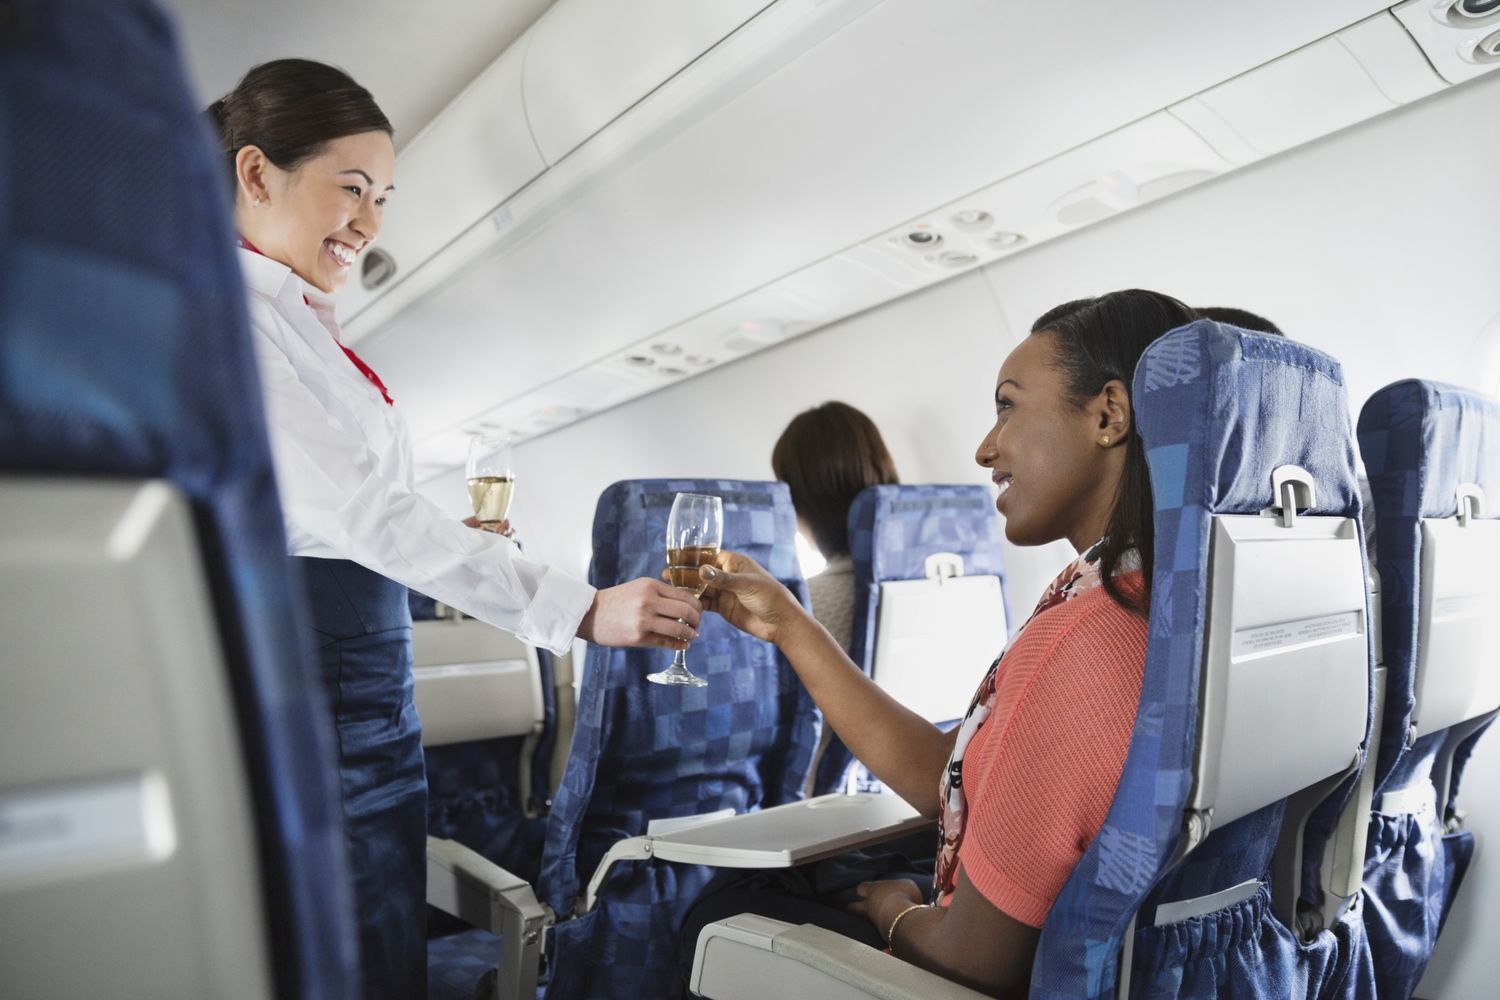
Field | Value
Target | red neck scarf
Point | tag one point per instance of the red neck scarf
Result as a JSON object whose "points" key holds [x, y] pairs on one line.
{"points": [[364, 369]]}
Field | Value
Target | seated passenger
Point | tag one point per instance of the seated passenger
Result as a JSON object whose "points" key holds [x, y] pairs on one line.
{"points": [[826, 456], [1242, 318], [1024, 784]]}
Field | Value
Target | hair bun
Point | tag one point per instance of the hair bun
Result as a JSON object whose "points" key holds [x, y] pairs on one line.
{"points": [[218, 114]]}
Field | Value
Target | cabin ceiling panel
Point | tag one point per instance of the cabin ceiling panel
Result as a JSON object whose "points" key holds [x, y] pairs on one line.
{"points": [[1386, 269], [911, 105], [413, 57]]}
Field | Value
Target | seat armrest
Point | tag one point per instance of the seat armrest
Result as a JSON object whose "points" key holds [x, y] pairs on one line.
{"points": [[468, 886], [748, 957]]}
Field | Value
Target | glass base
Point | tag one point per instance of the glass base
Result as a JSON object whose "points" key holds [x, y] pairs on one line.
{"points": [[677, 676]]}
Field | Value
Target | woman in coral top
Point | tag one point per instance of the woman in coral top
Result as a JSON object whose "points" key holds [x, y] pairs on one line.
{"points": [[1023, 785]]}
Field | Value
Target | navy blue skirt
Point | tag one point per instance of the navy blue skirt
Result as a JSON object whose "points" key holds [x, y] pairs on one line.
{"points": [[363, 632]]}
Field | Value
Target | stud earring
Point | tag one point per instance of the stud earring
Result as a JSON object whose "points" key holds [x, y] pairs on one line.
{"points": [[1104, 441], [257, 203]]}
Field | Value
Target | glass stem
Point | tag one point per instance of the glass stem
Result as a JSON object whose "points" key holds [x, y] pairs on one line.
{"points": [[679, 658]]}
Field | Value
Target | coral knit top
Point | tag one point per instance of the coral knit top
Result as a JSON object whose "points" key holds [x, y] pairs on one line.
{"points": [[1039, 754]]}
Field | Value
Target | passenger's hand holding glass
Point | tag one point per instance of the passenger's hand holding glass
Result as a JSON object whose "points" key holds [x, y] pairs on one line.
{"points": [[695, 529], [749, 598], [491, 482]]}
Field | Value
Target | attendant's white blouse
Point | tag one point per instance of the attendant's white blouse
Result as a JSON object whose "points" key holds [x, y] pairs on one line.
{"points": [[345, 474]]}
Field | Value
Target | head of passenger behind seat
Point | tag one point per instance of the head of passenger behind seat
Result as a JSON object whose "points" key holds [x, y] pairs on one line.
{"points": [[1242, 318], [826, 456]]}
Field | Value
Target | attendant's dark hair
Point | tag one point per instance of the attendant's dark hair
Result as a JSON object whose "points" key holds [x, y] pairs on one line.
{"points": [[291, 109], [1242, 318], [826, 456], [1098, 341]]}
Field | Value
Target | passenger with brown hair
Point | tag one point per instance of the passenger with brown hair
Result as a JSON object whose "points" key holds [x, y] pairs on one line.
{"points": [[827, 455]]}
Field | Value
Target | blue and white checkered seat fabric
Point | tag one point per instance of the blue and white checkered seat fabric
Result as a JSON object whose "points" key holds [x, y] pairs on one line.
{"points": [[125, 352], [643, 751], [462, 966], [474, 797], [1218, 409], [1420, 441], [892, 531]]}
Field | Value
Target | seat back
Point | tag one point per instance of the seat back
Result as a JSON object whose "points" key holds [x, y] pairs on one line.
{"points": [[1432, 452], [929, 606], [643, 751], [125, 355], [1248, 616], [486, 702], [125, 818]]}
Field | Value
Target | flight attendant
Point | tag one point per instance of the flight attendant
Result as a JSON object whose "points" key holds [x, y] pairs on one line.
{"points": [[313, 166]]}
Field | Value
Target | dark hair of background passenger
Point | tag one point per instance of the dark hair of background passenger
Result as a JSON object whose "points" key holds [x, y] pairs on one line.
{"points": [[827, 455], [1242, 318], [291, 109], [1097, 341]]}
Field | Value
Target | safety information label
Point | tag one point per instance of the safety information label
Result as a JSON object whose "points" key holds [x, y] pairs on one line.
{"points": [[1460, 605], [74, 830], [1250, 642]]}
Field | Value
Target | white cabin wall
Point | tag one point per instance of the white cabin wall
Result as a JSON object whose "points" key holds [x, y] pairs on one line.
{"points": [[1375, 244], [725, 423]]}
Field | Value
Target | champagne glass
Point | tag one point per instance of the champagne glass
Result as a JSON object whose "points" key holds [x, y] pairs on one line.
{"points": [[695, 529], [491, 483]]}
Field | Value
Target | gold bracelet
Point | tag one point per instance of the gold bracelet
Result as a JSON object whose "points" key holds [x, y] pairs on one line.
{"points": [[890, 935]]}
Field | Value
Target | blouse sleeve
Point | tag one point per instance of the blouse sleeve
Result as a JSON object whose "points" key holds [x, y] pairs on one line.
{"points": [[330, 488], [1040, 785]]}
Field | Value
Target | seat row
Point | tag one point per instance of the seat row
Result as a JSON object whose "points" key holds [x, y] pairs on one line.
{"points": [[1297, 823]]}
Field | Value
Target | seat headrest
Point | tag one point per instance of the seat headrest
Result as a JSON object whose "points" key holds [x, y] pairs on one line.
{"points": [[1221, 408], [630, 526], [893, 529], [1421, 440]]}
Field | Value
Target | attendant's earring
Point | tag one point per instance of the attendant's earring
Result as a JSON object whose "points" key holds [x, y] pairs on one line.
{"points": [[1104, 441], [257, 203]]}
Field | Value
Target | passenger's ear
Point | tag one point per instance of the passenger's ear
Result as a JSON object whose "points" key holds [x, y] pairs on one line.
{"points": [[1112, 414], [251, 166]]}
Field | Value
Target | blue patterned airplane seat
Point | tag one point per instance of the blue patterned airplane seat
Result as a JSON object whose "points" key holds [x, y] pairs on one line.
{"points": [[475, 796], [1218, 409], [894, 532], [1421, 443], [643, 751], [125, 355], [476, 792]]}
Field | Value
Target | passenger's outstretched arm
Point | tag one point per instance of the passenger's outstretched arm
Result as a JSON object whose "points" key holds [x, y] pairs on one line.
{"points": [[901, 748]]}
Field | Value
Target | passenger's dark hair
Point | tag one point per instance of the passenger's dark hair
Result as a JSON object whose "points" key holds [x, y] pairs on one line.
{"points": [[1097, 341], [291, 109], [826, 456], [1242, 318]]}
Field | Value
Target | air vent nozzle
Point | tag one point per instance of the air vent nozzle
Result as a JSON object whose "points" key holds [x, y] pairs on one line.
{"points": [[376, 268]]}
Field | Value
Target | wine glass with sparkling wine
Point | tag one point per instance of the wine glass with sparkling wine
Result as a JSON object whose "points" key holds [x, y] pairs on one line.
{"points": [[695, 529], [491, 483]]}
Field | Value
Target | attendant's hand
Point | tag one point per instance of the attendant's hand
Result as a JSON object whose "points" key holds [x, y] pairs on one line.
{"points": [[642, 612], [882, 901], [748, 597], [499, 528]]}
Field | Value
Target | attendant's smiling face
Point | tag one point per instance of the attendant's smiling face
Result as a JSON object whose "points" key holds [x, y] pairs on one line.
{"points": [[319, 216], [1044, 452]]}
